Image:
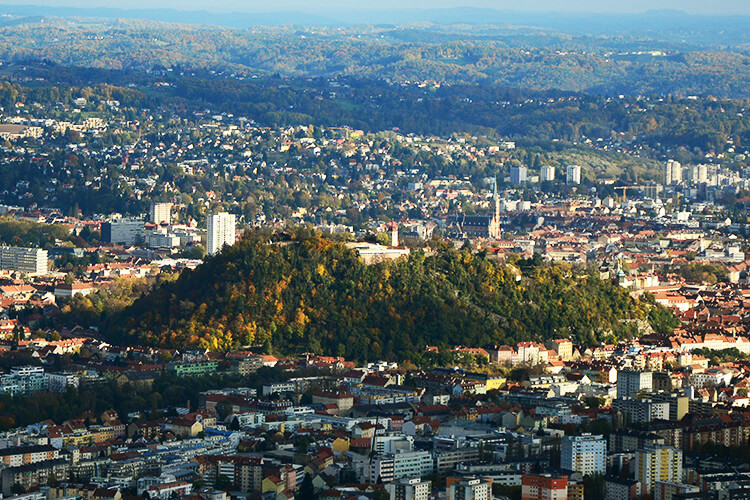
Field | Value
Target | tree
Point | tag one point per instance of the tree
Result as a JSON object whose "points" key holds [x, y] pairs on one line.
{"points": [[306, 489]]}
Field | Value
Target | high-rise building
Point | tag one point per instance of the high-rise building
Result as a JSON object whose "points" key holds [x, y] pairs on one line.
{"points": [[658, 463], [699, 174], [630, 383], [545, 487], [220, 232], [547, 173], [586, 454], [672, 173], [23, 260], [518, 175], [409, 489], [573, 174], [469, 488], [161, 212]]}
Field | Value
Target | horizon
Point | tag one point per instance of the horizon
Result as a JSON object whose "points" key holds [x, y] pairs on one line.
{"points": [[543, 7]]}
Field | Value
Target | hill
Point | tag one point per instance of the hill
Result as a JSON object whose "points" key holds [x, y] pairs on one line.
{"points": [[514, 56], [313, 294]]}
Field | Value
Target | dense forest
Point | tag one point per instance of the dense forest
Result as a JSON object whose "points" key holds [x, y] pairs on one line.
{"points": [[519, 57], [307, 293]]}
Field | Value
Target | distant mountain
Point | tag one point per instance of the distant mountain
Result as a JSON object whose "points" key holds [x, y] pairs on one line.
{"points": [[667, 25], [311, 294]]}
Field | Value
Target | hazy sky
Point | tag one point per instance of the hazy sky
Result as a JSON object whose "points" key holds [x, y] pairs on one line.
{"points": [[719, 7]]}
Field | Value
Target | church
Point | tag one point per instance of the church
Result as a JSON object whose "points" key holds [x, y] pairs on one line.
{"points": [[481, 226]]}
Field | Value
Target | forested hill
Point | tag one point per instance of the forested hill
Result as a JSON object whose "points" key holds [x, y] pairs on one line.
{"points": [[312, 294], [506, 56]]}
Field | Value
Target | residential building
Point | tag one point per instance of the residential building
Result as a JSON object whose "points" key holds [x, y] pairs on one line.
{"points": [[666, 490], [547, 173], [586, 454], [409, 489], [123, 231], [518, 174], [221, 231], [658, 463], [33, 474], [641, 410], [23, 260], [617, 488], [545, 487], [672, 173], [631, 382], [573, 174], [194, 368], [25, 380], [61, 382], [161, 213], [469, 488]]}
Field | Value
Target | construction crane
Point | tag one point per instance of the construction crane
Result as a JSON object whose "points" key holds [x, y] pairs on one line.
{"points": [[625, 191]]}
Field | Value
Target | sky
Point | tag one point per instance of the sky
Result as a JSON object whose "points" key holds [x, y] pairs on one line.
{"points": [[713, 7]]}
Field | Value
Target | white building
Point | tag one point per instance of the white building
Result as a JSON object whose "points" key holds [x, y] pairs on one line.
{"points": [[642, 410], [630, 383], [123, 231], [672, 173], [408, 489], [518, 175], [573, 174], [25, 380], [699, 174], [220, 232], [470, 489], [586, 454], [60, 382], [23, 260], [161, 212], [547, 173]]}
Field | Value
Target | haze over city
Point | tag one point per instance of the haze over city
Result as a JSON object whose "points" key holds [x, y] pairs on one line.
{"points": [[720, 7]]}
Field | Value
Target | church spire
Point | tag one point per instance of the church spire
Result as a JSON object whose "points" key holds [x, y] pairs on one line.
{"points": [[494, 226]]}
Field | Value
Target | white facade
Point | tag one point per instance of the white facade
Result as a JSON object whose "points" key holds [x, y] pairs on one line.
{"points": [[518, 175], [470, 489], [24, 260], [60, 382], [573, 174], [672, 173], [220, 232], [586, 454], [630, 383], [409, 489], [124, 231], [547, 173], [161, 212]]}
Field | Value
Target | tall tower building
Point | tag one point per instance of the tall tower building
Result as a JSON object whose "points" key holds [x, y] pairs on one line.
{"points": [[547, 173], [161, 212], [672, 173], [220, 232], [586, 454], [573, 174], [518, 175], [658, 463]]}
